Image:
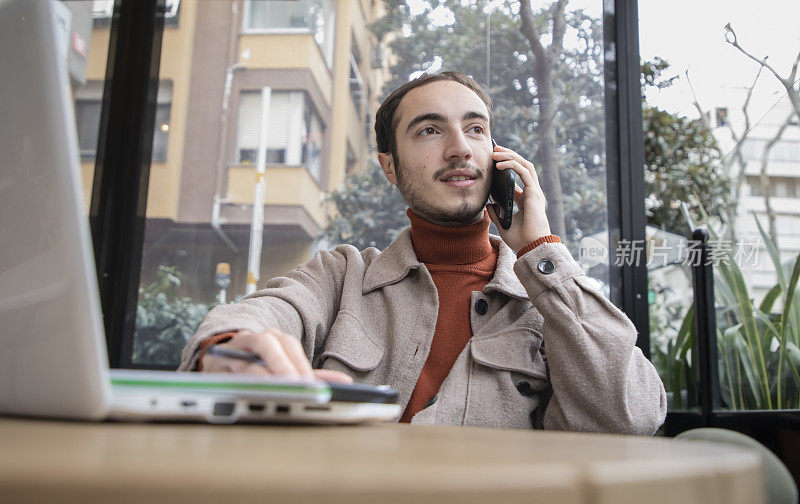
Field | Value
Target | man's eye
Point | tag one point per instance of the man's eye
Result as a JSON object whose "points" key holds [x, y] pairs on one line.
{"points": [[477, 129], [428, 131]]}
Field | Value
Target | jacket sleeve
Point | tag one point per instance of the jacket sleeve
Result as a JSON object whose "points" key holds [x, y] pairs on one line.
{"points": [[302, 303], [601, 381]]}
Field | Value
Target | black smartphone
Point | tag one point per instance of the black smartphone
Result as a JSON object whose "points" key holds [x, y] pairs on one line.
{"points": [[502, 192], [359, 392]]}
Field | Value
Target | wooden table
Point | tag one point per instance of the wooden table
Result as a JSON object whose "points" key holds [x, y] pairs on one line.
{"points": [[50, 461]]}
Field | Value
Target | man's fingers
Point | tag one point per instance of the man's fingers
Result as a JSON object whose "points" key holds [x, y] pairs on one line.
{"points": [[272, 352], [215, 364], [523, 172], [296, 354], [525, 168], [519, 195], [331, 376]]}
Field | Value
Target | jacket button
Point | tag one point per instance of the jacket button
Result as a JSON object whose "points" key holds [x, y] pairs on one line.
{"points": [[546, 266], [481, 306], [524, 388], [431, 401]]}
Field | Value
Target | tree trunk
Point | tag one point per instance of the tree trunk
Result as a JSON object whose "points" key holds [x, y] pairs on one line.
{"points": [[543, 64], [550, 180]]}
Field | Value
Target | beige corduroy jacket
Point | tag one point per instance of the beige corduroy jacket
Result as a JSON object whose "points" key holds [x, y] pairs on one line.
{"points": [[372, 315]]}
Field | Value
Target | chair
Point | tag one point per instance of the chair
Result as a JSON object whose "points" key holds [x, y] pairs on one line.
{"points": [[780, 485]]}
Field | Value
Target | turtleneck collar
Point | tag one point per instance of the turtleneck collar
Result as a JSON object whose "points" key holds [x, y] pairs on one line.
{"points": [[436, 244]]}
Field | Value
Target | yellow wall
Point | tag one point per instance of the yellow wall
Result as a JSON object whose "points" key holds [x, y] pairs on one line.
{"points": [[265, 51], [176, 65], [285, 185], [341, 93], [176, 60], [291, 50]]}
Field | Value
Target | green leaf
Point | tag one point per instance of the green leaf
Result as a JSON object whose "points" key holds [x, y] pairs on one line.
{"points": [[751, 375], [770, 297], [785, 323], [773, 252]]}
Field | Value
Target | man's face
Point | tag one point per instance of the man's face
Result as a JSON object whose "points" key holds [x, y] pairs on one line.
{"points": [[443, 160]]}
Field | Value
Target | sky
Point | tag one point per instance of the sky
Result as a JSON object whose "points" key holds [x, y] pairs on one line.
{"points": [[690, 34]]}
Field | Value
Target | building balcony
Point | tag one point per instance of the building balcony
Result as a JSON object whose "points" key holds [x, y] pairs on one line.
{"points": [[292, 50], [292, 194]]}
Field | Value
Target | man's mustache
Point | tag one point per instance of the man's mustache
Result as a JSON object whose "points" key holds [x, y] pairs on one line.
{"points": [[477, 172]]}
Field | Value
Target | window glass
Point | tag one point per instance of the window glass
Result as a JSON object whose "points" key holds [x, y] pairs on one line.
{"points": [[314, 16], [722, 152], [320, 147], [86, 50], [88, 100]]}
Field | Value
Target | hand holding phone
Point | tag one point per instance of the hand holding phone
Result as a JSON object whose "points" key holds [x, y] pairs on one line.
{"points": [[502, 192]]}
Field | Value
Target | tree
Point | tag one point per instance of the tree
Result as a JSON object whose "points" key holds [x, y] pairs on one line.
{"points": [[682, 163], [369, 211], [548, 100], [164, 320], [793, 92], [682, 155]]}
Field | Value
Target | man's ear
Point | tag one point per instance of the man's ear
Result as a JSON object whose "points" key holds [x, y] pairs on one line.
{"points": [[387, 164]]}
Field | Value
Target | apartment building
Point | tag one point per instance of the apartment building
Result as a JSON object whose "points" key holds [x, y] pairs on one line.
{"points": [[782, 169], [323, 72]]}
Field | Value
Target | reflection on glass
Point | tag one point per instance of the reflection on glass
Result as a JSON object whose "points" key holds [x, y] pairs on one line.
{"points": [[85, 43], [723, 151], [322, 186]]}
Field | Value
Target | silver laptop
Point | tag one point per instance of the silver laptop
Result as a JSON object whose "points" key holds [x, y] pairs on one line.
{"points": [[53, 360]]}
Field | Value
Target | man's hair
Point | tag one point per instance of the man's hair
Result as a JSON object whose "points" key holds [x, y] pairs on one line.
{"points": [[386, 119]]}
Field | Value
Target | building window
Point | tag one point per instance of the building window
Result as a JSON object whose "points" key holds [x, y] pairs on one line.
{"points": [[161, 130], [312, 140], [103, 9], [281, 16], [295, 135], [779, 187], [88, 100], [722, 116], [357, 89]]}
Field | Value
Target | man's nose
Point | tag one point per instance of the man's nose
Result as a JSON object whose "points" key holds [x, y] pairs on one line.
{"points": [[457, 147]]}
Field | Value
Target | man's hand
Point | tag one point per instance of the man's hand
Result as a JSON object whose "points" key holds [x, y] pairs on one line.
{"points": [[530, 222], [282, 355]]}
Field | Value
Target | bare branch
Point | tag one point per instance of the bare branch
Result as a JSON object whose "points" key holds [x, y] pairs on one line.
{"points": [[765, 182], [703, 118], [746, 105], [794, 67], [529, 29], [733, 40]]}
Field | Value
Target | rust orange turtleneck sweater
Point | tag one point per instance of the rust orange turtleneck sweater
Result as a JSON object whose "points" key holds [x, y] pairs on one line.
{"points": [[461, 260]]}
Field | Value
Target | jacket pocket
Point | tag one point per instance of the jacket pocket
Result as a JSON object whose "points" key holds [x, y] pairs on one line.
{"points": [[516, 352], [508, 380], [349, 344]]}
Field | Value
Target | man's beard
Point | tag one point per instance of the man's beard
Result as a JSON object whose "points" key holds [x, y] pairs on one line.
{"points": [[466, 212]]}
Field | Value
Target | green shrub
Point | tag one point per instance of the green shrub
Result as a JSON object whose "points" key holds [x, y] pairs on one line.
{"points": [[164, 321]]}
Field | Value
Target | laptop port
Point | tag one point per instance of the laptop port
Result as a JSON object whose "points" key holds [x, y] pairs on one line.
{"points": [[256, 408], [317, 408], [188, 404], [224, 408], [282, 409]]}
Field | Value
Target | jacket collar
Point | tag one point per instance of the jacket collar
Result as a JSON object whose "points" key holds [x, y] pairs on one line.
{"points": [[504, 279], [398, 259]]}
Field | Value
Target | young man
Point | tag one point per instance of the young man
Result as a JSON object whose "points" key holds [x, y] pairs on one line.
{"points": [[455, 319]]}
